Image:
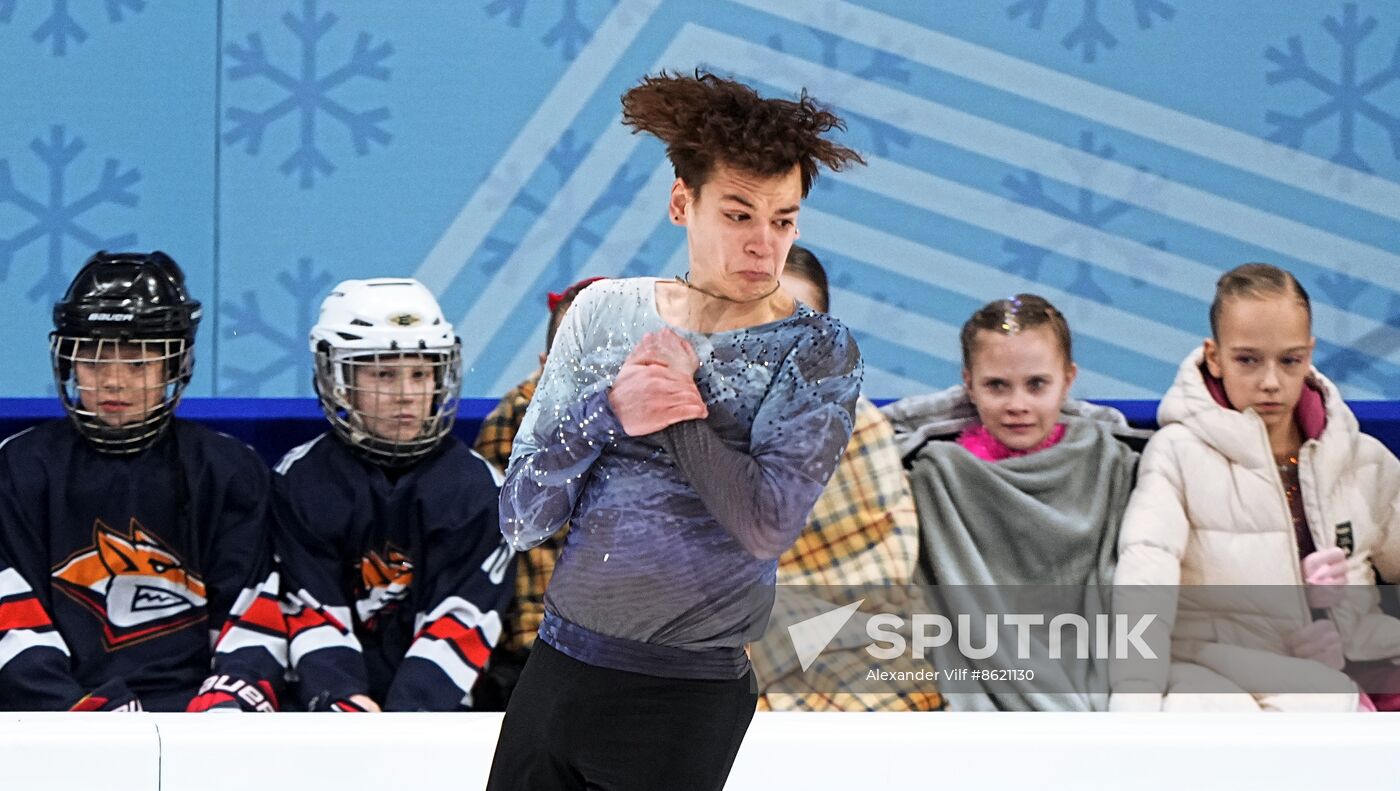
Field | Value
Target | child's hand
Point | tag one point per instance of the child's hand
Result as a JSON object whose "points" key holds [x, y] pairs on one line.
{"points": [[365, 702], [1318, 641], [1325, 572]]}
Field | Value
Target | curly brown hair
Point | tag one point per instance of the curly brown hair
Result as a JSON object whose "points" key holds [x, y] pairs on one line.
{"points": [[706, 120]]}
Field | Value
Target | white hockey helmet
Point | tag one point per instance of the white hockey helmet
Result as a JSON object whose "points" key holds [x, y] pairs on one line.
{"points": [[391, 330]]}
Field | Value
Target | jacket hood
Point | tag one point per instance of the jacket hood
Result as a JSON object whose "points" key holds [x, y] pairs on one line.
{"points": [[1197, 401]]}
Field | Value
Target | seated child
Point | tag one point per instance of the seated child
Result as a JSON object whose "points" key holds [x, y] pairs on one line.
{"points": [[135, 566], [396, 569], [1260, 477], [1015, 486]]}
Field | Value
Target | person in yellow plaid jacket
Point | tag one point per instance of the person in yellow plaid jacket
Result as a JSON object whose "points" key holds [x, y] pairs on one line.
{"points": [[534, 568], [863, 532]]}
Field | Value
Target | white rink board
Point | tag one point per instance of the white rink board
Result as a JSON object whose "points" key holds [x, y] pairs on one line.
{"points": [[111, 752], [813, 752]]}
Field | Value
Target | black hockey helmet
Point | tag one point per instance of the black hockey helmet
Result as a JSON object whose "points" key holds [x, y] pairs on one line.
{"points": [[121, 307], [127, 296]]}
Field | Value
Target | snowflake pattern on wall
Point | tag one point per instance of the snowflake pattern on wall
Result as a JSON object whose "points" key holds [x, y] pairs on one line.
{"points": [[568, 32], [1360, 361], [60, 27], [563, 159], [1090, 32], [1348, 97], [245, 320], [1086, 212], [56, 217], [308, 94]]}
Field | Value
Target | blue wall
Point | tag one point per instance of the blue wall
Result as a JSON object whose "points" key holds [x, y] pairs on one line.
{"points": [[1114, 156]]}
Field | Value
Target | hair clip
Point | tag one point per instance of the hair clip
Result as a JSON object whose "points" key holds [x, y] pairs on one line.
{"points": [[556, 297], [1010, 323]]}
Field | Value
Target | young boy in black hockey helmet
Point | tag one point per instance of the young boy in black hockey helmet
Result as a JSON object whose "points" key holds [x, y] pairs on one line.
{"points": [[396, 571], [135, 565]]}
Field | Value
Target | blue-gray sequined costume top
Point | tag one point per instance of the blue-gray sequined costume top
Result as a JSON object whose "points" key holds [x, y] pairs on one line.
{"points": [[671, 556]]}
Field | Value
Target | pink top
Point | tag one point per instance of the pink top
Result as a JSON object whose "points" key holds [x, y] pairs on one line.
{"points": [[978, 441]]}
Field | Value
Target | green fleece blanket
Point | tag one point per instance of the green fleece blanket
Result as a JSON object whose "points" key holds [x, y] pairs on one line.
{"points": [[1035, 533]]}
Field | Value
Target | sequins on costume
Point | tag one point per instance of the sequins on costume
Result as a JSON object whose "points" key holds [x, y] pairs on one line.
{"points": [[649, 581]]}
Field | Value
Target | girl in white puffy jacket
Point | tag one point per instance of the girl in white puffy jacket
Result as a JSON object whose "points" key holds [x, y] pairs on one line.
{"points": [[1259, 477]]}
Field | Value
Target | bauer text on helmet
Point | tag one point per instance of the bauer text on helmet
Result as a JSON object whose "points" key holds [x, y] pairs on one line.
{"points": [[123, 348]]}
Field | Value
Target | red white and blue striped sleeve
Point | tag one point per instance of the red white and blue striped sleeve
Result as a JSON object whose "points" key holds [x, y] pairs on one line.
{"points": [[468, 585], [35, 664]]}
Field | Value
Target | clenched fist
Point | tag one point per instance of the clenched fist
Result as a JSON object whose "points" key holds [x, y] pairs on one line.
{"points": [[656, 385]]}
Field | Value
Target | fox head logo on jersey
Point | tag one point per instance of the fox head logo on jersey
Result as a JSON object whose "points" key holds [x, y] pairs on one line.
{"points": [[386, 579], [132, 581]]}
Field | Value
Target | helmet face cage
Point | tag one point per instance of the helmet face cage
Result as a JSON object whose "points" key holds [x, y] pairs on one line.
{"points": [[120, 394], [392, 405]]}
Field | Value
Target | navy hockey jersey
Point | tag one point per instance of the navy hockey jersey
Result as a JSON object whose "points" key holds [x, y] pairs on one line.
{"points": [[145, 577], [394, 580]]}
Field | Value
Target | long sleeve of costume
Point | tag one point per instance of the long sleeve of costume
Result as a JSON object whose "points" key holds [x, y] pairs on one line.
{"points": [[564, 432], [250, 653], [762, 496], [686, 561], [496, 436], [864, 529], [469, 583], [323, 651]]}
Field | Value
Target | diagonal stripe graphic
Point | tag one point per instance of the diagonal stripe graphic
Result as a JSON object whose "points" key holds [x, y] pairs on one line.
{"points": [[1081, 97], [534, 142], [1040, 228], [932, 193], [1064, 163]]}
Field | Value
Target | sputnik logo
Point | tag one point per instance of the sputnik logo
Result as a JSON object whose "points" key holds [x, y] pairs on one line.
{"points": [[812, 636]]}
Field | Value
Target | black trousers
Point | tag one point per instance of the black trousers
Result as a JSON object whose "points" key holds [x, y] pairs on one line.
{"points": [[571, 725]]}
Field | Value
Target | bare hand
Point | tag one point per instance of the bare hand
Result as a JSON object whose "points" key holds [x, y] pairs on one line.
{"points": [[365, 702], [1325, 572], [649, 397], [665, 347], [1320, 642]]}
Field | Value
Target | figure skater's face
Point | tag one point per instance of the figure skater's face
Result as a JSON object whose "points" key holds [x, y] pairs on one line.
{"points": [[1019, 384], [1263, 355], [738, 229], [121, 383], [393, 395]]}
